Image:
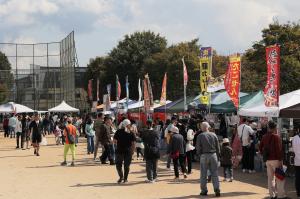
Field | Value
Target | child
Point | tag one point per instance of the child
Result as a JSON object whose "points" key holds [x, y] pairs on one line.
{"points": [[58, 134], [226, 160]]}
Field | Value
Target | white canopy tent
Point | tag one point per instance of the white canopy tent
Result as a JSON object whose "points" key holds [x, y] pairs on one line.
{"points": [[12, 107], [63, 107], [261, 110]]}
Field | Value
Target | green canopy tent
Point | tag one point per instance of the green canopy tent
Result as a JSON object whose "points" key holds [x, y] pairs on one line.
{"points": [[176, 106], [245, 101]]}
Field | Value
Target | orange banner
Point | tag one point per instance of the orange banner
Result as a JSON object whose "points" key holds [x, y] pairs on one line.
{"points": [[233, 79]]}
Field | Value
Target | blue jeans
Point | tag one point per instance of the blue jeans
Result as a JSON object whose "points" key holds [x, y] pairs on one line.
{"points": [[209, 161], [90, 144], [151, 169], [12, 132]]}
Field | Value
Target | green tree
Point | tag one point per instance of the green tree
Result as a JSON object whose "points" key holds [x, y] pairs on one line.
{"points": [[254, 70], [170, 61], [6, 78], [128, 57]]}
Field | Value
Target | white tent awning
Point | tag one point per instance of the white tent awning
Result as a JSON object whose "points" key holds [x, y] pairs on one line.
{"points": [[12, 107], [63, 107], [261, 110]]}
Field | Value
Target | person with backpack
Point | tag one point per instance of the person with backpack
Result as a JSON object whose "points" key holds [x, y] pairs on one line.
{"points": [[226, 160], [296, 149], [271, 149], [150, 138], [70, 135]]}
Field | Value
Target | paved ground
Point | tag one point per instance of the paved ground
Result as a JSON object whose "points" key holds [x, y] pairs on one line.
{"points": [[25, 176]]}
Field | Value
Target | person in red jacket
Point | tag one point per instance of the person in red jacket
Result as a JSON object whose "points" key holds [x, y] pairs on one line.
{"points": [[272, 146], [5, 126]]}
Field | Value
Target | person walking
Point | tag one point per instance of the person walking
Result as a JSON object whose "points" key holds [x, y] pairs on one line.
{"points": [[189, 149], [208, 149], [106, 140], [168, 135], [177, 152], [244, 133], [24, 129], [125, 141], [296, 149], [226, 160], [11, 126], [271, 148], [150, 138], [90, 134], [18, 130], [36, 128], [97, 127], [70, 135], [27, 131], [5, 126]]}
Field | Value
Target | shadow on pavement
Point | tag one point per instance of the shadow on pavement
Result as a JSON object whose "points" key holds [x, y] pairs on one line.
{"points": [[231, 194], [109, 184]]}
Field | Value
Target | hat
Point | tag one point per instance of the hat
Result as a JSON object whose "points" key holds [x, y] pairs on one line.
{"points": [[126, 122], [225, 140], [174, 129]]}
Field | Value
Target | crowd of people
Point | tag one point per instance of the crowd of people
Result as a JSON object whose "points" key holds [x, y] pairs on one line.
{"points": [[184, 141]]}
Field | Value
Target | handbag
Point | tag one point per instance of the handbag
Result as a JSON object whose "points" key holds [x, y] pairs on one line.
{"points": [[279, 173], [175, 155], [71, 138]]}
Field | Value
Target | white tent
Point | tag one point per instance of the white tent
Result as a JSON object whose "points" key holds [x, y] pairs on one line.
{"points": [[12, 107], [261, 110], [63, 107]]}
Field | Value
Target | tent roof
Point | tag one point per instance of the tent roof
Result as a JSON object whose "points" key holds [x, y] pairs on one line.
{"points": [[135, 106], [228, 106], [63, 107], [290, 112], [261, 110], [12, 107], [175, 107], [216, 98]]}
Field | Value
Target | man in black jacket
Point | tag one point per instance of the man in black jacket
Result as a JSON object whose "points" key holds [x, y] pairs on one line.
{"points": [[150, 138], [107, 141]]}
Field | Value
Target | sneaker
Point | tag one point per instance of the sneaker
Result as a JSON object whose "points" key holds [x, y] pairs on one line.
{"points": [[23, 149], [185, 176], [231, 180], [34, 152], [17, 147], [37, 154], [176, 179], [72, 164], [125, 181], [119, 181], [64, 163], [244, 170], [149, 181], [218, 194], [251, 171], [104, 163], [155, 180], [203, 193]]}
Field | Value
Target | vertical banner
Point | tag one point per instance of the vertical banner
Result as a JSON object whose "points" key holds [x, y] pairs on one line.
{"points": [[163, 98], [271, 91], [233, 79], [118, 89], [90, 90], [106, 102], [108, 87], [185, 81], [98, 82], [148, 96], [205, 72], [140, 90], [127, 93]]}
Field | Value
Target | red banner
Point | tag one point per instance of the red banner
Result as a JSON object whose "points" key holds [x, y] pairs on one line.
{"points": [[163, 98], [271, 91], [90, 90], [233, 79], [148, 96]]}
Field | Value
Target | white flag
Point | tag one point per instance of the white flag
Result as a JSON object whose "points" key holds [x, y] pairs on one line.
{"points": [[140, 91]]}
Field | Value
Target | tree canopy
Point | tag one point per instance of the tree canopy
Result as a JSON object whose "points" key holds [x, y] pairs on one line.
{"points": [[147, 52], [6, 78]]}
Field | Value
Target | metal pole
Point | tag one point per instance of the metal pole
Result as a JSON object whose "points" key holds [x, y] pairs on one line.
{"points": [[34, 78], [16, 89], [48, 80]]}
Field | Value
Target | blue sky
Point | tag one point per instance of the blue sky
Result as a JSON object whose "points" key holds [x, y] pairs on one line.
{"points": [[227, 25]]}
